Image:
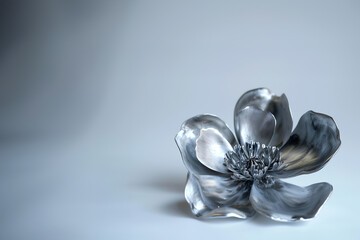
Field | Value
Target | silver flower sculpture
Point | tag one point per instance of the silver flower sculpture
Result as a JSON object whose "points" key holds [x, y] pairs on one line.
{"points": [[237, 177]]}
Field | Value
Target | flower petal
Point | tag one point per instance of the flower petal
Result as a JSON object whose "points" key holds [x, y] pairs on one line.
{"points": [[252, 124], [215, 196], [314, 141], [287, 202], [190, 132], [264, 99], [211, 148]]}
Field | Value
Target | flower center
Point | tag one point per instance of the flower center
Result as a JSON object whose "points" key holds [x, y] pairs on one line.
{"points": [[252, 160]]}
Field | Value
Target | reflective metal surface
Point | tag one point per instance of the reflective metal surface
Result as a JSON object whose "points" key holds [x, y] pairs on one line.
{"points": [[190, 132], [278, 106], [236, 178], [211, 148], [287, 202], [312, 144], [253, 124], [213, 196]]}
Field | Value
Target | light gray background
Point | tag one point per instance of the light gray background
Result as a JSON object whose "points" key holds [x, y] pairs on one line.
{"points": [[93, 93]]}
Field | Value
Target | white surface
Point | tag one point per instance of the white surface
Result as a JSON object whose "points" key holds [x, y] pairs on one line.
{"points": [[96, 93]]}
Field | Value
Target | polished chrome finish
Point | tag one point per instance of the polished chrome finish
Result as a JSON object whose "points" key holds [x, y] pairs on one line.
{"points": [[287, 202], [229, 178], [253, 124], [312, 144], [190, 132], [211, 148], [217, 197], [265, 100]]}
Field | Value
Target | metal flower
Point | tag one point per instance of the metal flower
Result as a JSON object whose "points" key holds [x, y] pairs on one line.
{"points": [[237, 177]]}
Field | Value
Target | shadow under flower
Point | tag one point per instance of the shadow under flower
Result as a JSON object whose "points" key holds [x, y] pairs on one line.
{"points": [[178, 208], [168, 183]]}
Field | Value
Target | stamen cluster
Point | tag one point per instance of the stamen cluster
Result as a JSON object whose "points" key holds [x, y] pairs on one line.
{"points": [[252, 160]]}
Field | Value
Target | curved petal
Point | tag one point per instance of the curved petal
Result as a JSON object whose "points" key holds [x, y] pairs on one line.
{"points": [[190, 132], [264, 99], [211, 148], [312, 144], [252, 124], [215, 196], [287, 202]]}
